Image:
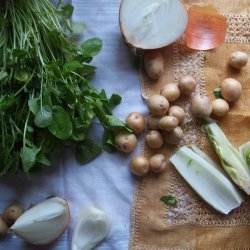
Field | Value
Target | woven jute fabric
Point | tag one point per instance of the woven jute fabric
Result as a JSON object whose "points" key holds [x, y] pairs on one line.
{"points": [[192, 224]]}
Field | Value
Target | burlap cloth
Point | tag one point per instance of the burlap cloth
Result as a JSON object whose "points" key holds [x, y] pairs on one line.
{"points": [[193, 224]]}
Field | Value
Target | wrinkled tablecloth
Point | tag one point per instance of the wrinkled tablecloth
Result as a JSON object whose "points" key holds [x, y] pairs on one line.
{"points": [[106, 182]]}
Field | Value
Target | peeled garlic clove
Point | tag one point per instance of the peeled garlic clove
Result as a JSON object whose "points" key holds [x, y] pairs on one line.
{"points": [[92, 226], [44, 222]]}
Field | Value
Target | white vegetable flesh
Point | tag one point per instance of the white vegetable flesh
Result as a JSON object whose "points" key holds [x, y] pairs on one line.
{"points": [[245, 152], [151, 24], [92, 226], [44, 222], [231, 159], [209, 183]]}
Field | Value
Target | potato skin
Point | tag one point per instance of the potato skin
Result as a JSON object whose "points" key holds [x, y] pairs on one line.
{"points": [[201, 106], [136, 121], [3, 227], [158, 105], [154, 139], [139, 165], [157, 163], [154, 64], [12, 213], [177, 112], [238, 59], [187, 85], [174, 136], [168, 123], [220, 107], [125, 142], [231, 90], [170, 91]]}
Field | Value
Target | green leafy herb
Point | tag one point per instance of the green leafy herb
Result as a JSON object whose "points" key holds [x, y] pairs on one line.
{"points": [[46, 96], [217, 93], [169, 200]]}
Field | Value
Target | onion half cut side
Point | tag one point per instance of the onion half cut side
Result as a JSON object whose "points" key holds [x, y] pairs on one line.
{"points": [[152, 24]]}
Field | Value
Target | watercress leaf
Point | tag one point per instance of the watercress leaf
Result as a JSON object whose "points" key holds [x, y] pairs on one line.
{"points": [[28, 157], [115, 100], [61, 125], [169, 200], [217, 93], [108, 141], [7, 102], [88, 69], [21, 75], [44, 117], [3, 75], [91, 47], [87, 151], [42, 159], [71, 66], [79, 130], [69, 96], [34, 105], [19, 53], [115, 124], [66, 11]]}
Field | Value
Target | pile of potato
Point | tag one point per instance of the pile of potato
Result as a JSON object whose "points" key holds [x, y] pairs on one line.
{"points": [[8, 217], [165, 120]]}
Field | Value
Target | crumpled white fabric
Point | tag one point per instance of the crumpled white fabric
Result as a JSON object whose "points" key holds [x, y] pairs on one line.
{"points": [[106, 182]]}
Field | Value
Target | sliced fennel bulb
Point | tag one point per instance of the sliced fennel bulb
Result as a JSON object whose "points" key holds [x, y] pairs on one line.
{"points": [[231, 159], [208, 182], [245, 152]]}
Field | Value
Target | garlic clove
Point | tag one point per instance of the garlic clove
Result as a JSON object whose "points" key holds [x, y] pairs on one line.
{"points": [[44, 222], [92, 226]]}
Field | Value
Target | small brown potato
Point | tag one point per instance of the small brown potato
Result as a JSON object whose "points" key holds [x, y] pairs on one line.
{"points": [[3, 227], [231, 90], [187, 85], [153, 121], [201, 106], [139, 165], [157, 163], [238, 59], [125, 142], [220, 107], [154, 64], [158, 105], [174, 136], [136, 121], [170, 91], [12, 213], [168, 123], [154, 139], [177, 112]]}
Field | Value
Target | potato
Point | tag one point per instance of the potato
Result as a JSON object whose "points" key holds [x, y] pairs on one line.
{"points": [[154, 64], [201, 106], [187, 85], [139, 165], [220, 107], [157, 163], [174, 136], [12, 213], [3, 227], [170, 91], [177, 112], [168, 123], [231, 90], [154, 139], [238, 59], [158, 105], [153, 121], [136, 121], [125, 142]]}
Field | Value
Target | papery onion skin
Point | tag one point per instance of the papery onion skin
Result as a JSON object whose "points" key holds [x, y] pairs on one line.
{"points": [[206, 28]]}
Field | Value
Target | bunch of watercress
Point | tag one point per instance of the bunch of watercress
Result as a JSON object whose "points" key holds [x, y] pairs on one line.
{"points": [[46, 97]]}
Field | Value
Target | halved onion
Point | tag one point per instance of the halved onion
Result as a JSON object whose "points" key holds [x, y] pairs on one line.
{"points": [[152, 24]]}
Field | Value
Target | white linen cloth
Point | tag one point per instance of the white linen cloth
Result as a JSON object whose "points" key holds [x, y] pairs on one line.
{"points": [[106, 182]]}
